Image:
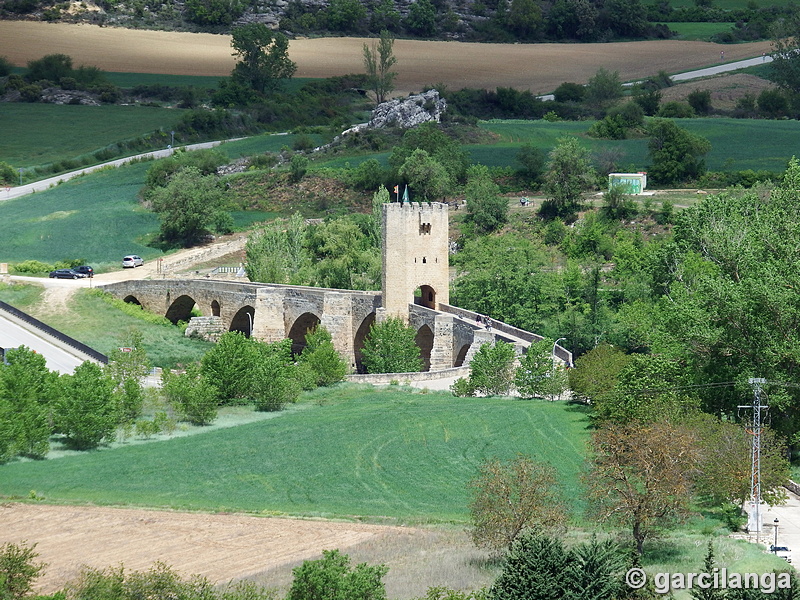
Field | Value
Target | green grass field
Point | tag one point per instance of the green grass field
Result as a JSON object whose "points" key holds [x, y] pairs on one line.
{"points": [[37, 134], [736, 143], [166, 346], [369, 452], [698, 31]]}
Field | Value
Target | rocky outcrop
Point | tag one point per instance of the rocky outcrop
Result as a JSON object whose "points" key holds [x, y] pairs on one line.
{"points": [[403, 113], [409, 112]]}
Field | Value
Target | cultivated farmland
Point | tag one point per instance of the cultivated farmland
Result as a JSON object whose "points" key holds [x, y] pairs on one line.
{"points": [[537, 67]]}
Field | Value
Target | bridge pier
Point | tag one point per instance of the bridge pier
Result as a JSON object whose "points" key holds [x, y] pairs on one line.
{"points": [[268, 325], [442, 351], [337, 318]]}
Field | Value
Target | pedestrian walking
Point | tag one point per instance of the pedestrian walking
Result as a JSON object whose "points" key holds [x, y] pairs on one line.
{"points": [[721, 55], [488, 324]]}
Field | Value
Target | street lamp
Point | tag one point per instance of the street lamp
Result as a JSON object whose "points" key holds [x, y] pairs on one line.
{"points": [[775, 545]]}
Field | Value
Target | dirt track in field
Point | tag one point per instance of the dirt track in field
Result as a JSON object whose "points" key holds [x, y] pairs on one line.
{"points": [[219, 546], [538, 67]]}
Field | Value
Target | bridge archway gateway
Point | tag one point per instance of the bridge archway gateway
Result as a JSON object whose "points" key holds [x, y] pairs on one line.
{"points": [[415, 288]]}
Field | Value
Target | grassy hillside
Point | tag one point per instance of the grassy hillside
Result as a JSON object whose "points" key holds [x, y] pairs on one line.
{"points": [[37, 134], [98, 217], [368, 452]]}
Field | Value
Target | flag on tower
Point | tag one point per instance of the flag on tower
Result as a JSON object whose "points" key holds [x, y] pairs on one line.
{"points": [[405, 194]]}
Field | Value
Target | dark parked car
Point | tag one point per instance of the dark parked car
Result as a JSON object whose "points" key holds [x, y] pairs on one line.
{"points": [[85, 269], [66, 274]]}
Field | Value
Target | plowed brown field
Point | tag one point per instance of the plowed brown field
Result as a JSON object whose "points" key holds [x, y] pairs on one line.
{"points": [[220, 547], [537, 67]]}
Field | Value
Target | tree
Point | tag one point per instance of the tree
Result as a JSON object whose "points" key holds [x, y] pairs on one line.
{"points": [[27, 389], [492, 369], [540, 567], [128, 368], [724, 467], [49, 68], [675, 154], [18, 570], [524, 18], [700, 101], [190, 206], [263, 57], [539, 375], [214, 12], [274, 381], [85, 411], [627, 18], [785, 66], [298, 167], [603, 88], [192, 395], [228, 365], [513, 496], [709, 566], [390, 347], [569, 174], [533, 160], [332, 578], [486, 208], [425, 175], [320, 356], [421, 19], [276, 253], [345, 15], [6, 66], [597, 372], [378, 62], [641, 476]]}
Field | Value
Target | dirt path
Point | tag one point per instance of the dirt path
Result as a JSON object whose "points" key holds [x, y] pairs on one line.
{"points": [[219, 546], [537, 67]]}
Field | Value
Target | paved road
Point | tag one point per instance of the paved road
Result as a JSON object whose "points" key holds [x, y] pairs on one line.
{"points": [[707, 72], [7, 193], [13, 333]]}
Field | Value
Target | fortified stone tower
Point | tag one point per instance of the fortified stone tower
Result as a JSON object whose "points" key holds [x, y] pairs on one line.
{"points": [[415, 256]]}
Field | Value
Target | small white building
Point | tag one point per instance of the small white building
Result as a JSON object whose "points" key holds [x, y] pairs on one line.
{"points": [[633, 183]]}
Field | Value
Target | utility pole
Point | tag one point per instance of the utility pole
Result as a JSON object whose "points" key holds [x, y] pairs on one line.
{"points": [[754, 514]]}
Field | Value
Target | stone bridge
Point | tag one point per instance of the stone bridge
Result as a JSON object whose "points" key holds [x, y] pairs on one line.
{"points": [[447, 337]]}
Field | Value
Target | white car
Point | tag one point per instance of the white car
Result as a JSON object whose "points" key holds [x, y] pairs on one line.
{"points": [[132, 261], [781, 552]]}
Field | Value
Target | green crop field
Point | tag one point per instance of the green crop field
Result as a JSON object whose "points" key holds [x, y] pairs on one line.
{"points": [[698, 31], [98, 217], [736, 143], [37, 134], [366, 451]]}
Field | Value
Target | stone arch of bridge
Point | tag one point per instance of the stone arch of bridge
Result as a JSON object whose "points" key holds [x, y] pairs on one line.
{"points": [[215, 308], [298, 330], [461, 355], [358, 341], [424, 339], [131, 299], [180, 309], [242, 321]]}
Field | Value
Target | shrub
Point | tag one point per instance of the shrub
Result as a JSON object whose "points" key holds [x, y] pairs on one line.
{"points": [[18, 570], [326, 366], [332, 577], [192, 395], [700, 101], [676, 110], [569, 92], [32, 266]]}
